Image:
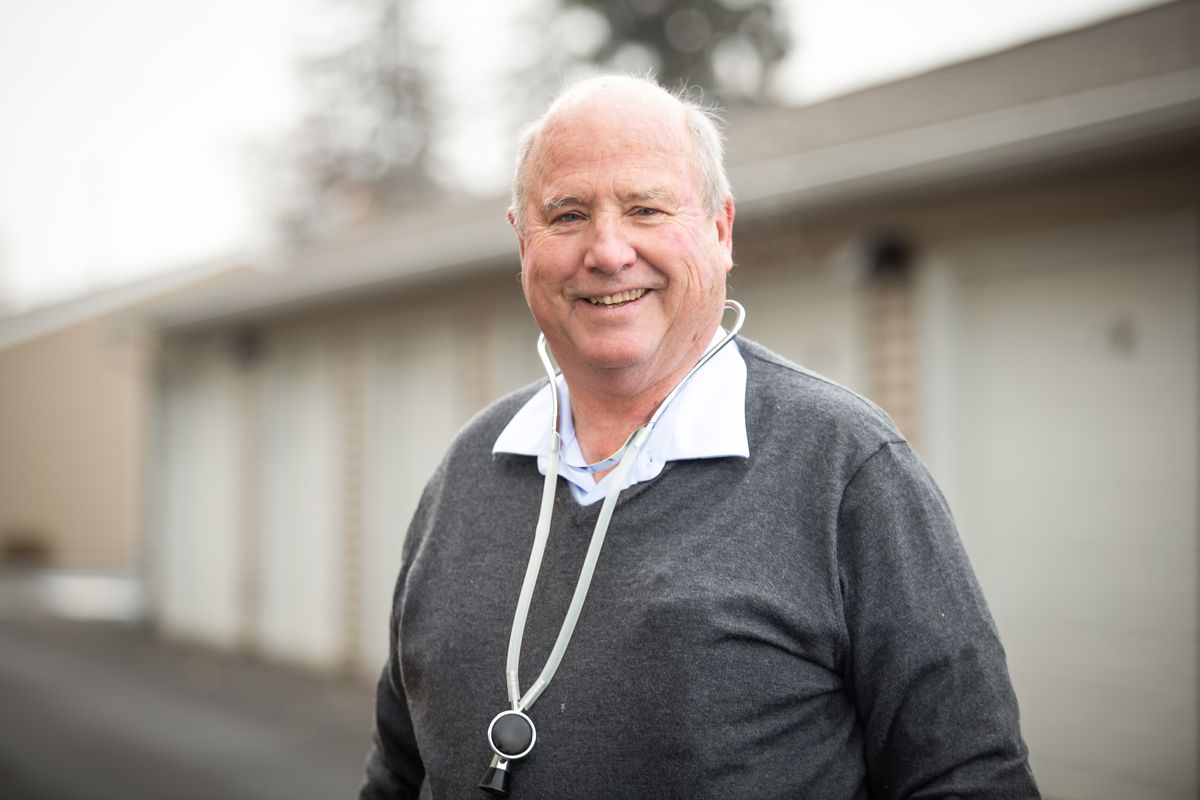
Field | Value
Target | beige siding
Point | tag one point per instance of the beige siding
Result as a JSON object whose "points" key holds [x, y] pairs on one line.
{"points": [[70, 443]]}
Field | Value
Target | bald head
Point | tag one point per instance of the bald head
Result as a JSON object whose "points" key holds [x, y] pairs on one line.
{"points": [[632, 100]]}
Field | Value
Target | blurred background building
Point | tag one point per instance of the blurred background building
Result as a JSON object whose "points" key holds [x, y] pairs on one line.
{"points": [[1004, 253], [74, 405]]}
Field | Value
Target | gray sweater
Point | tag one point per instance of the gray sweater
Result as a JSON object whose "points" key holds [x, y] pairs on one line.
{"points": [[799, 624]]}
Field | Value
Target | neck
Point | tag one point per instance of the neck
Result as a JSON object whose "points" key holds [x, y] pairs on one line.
{"points": [[603, 425], [607, 409]]}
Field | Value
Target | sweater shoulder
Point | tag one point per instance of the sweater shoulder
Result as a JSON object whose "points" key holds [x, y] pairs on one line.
{"points": [[481, 431], [790, 400]]}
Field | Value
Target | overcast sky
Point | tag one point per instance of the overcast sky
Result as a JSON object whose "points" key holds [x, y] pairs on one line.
{"points": [[130, 126]]}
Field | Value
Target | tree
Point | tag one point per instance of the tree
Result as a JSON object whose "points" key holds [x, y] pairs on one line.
{"points": [[727, 47], [361, 151]]}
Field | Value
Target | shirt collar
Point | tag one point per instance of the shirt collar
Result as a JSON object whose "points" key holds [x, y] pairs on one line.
{"points": [[706, 420]]}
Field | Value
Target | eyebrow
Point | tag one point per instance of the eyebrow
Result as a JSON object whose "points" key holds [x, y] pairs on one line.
{"points": [[655, 194], [555, 203]]}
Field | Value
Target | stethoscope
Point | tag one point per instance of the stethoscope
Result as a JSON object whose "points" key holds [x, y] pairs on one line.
{"points": [[511, 733]]}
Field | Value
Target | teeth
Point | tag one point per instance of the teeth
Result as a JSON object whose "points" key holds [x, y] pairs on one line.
{"points": [[620, 297]]}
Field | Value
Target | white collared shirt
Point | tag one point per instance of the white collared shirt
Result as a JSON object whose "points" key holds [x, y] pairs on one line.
{"points": [[707, 419]]}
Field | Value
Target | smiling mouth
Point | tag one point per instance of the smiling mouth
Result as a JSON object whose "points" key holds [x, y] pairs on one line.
{"points": [[616, 299]]}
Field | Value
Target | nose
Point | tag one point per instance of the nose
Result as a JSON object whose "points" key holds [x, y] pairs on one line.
{"points": [[609, 249]]}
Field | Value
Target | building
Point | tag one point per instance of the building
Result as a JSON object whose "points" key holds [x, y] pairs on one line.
{"points": [[1004, 253], [73, 410]]}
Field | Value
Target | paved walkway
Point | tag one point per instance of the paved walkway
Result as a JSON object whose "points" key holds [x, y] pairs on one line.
{"points": [[93, 711]]}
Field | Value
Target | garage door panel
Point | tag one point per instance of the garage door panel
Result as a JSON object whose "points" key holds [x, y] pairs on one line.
{"points": [[200, 556], [1126, 590], [1131, 657], [299, 603], [1074, 449], [1118, 735], [1126, 509]]}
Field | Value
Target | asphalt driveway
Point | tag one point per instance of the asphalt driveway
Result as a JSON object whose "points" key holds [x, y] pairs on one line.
{"points": [[92, 711]]}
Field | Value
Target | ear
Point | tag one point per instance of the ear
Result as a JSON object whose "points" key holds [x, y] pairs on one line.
{"points": [[512, 220], [724, 223]]}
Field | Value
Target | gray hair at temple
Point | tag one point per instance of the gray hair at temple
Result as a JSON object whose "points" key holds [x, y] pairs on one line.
{"points": [[703, 125]]}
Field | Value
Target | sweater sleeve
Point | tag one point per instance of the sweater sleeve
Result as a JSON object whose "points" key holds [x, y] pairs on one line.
{"points": [[926, 668], [394, 769]]}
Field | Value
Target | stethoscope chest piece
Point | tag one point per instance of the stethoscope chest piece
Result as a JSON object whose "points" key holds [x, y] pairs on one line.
{"points": [[511, 735]]}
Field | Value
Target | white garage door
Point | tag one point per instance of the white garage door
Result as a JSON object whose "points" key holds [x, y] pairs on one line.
{"points": [[1070, 449], [428, 372], [198, 555], [412, 394], [300, 611]]}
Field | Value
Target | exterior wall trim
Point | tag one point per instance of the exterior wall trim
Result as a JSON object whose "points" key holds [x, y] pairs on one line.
{"points": [[986, 142]]}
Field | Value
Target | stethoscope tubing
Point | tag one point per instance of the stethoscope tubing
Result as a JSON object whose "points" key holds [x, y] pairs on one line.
{"points": [[624, 458]]}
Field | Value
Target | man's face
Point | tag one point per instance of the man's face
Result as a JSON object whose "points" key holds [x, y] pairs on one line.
{"points": [[622, 267]]}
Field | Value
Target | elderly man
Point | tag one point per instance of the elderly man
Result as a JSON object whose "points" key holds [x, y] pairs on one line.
{"points": [[771, 601]]}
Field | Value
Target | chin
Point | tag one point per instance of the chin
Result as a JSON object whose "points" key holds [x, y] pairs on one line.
{"points": [[614, 363], [615, 358]]}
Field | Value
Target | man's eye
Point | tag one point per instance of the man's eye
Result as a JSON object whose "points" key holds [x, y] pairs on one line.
{"points": [[643, 211], [569, 216]]}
